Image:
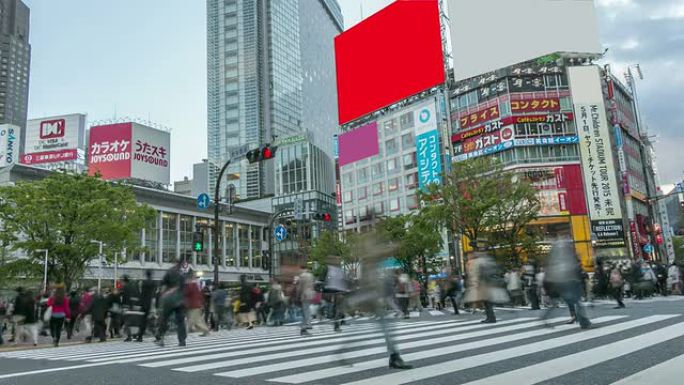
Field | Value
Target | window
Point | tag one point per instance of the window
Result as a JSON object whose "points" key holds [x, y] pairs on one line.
{"points": [[411, 180], [392, 166], [347, 196], [349, 217], [565, 103], [364, 213], [393, 184], [151, 240], [394, 204], [406, 121], [412, 202], [203, 256], [362, 193], [243, 238], [256, 246], [391, 146], [169, 237], [390, 127], [407, 141], [409, 161], [348, 179], [186, 231], [378, 208], [377, 188], [551, 81], [377, 170], [229, 229], [362, 175]]}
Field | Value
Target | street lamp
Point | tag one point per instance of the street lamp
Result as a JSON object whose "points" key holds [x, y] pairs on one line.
{"points": [[99, 265], [45, 268]]}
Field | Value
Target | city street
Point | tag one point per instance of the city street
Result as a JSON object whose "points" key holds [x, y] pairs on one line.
{"points": [[624, 346]]}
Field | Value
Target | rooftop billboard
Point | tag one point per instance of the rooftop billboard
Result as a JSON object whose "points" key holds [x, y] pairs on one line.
{"points": [[491, 34], [129, 151], [388, 57], [54, 139]]}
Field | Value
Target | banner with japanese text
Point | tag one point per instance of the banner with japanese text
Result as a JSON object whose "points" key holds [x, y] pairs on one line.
{"points": [[427, 145], [598, 168]]}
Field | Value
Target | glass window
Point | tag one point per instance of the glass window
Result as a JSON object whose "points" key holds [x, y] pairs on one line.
{"points": [[229, 229], [203, 256], [256, 246], [348, 196], [565, 103], [362, 193], [243, 238], [393, 184], [412, 202], [348, 179], [391, 146], [170, 237], [349, 216], [390, 127], [151, 239], [551, 81], [407, 141], [186, 232], [409, 161], [364, 213], [392, 166], [406, 121], [378, 208], [411, 180], [520, 130], [377, 170], [377, 188], [362, 175], [394, 204]]}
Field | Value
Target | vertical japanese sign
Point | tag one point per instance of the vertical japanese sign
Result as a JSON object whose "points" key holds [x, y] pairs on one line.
{"points": [[9, 144], [427, 145], [598, 168]]}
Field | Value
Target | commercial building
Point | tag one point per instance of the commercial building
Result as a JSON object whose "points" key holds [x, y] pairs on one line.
{"points": [[15, 62], [183, 187], [271, 74], [56, 143], [571, 128], [304, 187], [169, 237]]}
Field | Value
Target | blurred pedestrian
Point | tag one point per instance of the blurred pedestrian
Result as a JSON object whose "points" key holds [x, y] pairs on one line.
{"points": [[131, 307], [148, 292], [485, 282], [616, 283], [171, 302], [276, 302], [415, 302], [194, 304], [246, 311], [84, 305], [115, 313], [305, 294], [59, 311], [75, 307], [675, 279], [97, 311], [514, 287], [454, 291], [25, 316], [219, 302], [403, 292]]}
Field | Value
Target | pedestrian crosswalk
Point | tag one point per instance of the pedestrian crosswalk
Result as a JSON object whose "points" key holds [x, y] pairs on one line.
{"points": [[517, 350]]}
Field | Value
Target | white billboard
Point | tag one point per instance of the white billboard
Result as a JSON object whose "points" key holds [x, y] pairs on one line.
{"points": [[598, 167], [150, 158], [54, 139], [491, 34], [10, 137]]}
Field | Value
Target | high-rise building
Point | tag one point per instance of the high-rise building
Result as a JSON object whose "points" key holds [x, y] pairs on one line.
{"points": [[15, 62], [270, 73]]}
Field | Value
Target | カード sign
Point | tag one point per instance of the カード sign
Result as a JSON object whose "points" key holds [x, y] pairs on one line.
{"points": [[129, 151], [54, 139]]}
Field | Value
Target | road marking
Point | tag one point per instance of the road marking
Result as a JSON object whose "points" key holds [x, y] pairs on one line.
{"points": [[563, 365], [51, 370], [660, 374], [451, 349], [448, 367]]}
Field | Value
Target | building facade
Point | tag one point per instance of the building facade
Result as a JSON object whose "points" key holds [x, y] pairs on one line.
{"points": [[271, 74], [169, 236], [570, 128], [15, 62]]}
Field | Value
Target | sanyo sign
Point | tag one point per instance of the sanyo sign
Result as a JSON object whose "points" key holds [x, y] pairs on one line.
{"points": [[9, 144]]}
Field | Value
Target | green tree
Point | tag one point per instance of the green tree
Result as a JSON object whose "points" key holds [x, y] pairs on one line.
{"points": [[678, 243], [63, 213], [328, 248], [479, 199], [417, 238]]}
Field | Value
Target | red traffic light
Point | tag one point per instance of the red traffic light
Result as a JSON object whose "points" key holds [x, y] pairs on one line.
{"points": [[266, 153], [327, 217]]}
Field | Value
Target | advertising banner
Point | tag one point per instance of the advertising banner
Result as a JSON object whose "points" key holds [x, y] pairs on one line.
{"points": [[360, 143], [54, 139], [486, 140], [129, 150], [600, 179], [546, 141], [545, 118], [427, 145], [10, 137], [109, 151], [150, 160], [480, 116], [535, 105]]}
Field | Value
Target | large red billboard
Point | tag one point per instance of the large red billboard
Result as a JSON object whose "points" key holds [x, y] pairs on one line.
{"points": [[109, 151], [388, 57]]}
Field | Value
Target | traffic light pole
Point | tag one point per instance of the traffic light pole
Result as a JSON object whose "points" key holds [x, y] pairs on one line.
{"points": [[217, 225], [271, 252]]}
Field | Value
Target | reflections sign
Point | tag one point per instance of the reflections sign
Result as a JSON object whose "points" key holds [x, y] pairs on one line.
{"points": [[427, 145], [129, 151], [600, 181]]}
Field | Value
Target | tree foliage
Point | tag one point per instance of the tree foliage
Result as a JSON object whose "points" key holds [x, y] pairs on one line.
{"points": [[64, 213], [328, 248], [479, 199]]}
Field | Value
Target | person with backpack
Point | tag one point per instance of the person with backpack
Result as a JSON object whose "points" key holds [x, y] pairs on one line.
{"points": [[616, 282], [75, 307]]}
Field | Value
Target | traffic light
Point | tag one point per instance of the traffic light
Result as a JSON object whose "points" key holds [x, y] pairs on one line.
{"points": [[326, 217], [198, 241], [266, 260], [264, 152]]}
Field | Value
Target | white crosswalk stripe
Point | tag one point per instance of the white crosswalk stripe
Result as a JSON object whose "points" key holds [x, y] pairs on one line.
{"points": [[358, 355]]}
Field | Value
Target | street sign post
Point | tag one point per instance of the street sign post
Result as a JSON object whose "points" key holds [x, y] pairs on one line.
{"points": [[280, 233], [203, 201]]}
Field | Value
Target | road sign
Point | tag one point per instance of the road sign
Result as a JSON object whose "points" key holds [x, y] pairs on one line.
{"points": [[280, 233], [203, 201], [648, 248], [298, 210]]}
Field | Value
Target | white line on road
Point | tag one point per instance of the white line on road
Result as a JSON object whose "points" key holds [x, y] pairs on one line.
{"points": [[659, 374]]}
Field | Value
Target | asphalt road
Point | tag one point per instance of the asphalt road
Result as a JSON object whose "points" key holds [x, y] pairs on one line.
{"points": [[641, 344]]}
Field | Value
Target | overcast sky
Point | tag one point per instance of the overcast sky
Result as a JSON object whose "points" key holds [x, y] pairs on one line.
{"points": [[147, 59]]}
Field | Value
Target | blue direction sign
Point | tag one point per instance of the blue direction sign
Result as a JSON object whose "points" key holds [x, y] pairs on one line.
{"points": [[648, 248], [280, 233], [203, 201]]}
